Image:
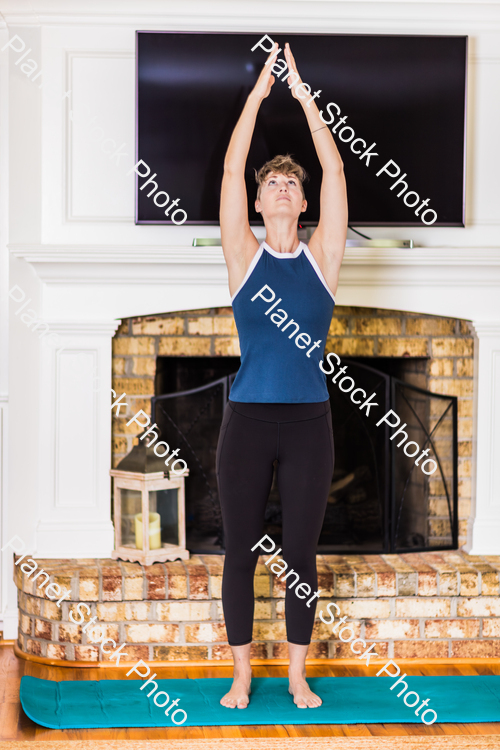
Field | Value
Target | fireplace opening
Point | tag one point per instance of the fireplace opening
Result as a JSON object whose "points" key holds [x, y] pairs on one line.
{"points": [[379, 501]]}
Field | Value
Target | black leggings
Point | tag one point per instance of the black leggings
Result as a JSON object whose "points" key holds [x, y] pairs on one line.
{"points": [[252, 437]]}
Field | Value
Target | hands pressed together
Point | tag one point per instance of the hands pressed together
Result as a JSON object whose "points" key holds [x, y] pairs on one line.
{"points": [[266, 79]]}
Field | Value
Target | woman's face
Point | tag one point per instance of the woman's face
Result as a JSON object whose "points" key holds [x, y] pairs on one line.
{"points": [[280, 195]]}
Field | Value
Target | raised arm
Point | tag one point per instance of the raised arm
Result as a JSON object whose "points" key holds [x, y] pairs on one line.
{"points": [[327, 243], [238, 241]]}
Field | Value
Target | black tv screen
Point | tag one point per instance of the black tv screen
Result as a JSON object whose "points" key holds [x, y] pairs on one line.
{"points": [[404, 94]]}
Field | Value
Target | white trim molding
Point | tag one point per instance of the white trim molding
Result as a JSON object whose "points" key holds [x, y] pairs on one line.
{"points": [[373, 16], [74, 517], [484, 535]]}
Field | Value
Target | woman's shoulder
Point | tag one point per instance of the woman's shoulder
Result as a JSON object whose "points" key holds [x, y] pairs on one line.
{"points": [[238, 280]]}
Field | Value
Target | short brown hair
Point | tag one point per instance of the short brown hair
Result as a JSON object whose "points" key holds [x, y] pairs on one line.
{"points": [[281, 165]]}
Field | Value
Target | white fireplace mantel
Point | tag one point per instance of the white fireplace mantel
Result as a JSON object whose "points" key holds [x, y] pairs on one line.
{"points": [[88, 289], [456, 282]]}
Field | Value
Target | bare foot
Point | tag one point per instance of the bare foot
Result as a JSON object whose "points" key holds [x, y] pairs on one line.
{"points": [[303, 697], [240, 690]]}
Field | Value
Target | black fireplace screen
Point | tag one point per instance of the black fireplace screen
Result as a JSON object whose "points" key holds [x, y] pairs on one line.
{"points": [[380, 500]]}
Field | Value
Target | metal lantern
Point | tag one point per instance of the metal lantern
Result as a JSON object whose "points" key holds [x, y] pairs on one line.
{"points": [[149, 509]]}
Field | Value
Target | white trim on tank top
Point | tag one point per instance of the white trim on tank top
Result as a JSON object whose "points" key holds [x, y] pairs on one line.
{"points": [[302, 246], [295, 254], [310, 257]]}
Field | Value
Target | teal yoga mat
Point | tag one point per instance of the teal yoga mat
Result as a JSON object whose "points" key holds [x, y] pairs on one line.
{"points": [[346, 700]]}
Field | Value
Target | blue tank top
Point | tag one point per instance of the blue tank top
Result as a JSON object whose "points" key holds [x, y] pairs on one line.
{"points": [[282, 309]]}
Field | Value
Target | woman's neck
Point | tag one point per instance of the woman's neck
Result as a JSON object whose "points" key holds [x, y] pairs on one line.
{"points": [[282, 242]]}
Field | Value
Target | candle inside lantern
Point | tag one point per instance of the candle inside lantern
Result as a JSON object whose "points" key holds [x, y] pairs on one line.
{"points": [[154, 531]]}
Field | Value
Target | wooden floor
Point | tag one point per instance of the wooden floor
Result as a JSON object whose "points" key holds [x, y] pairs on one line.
{"points": [[15, 725]]}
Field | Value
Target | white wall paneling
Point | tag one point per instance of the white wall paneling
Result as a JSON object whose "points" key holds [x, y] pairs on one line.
{"points": [[75, 440], [99, 137], [87, 195]]}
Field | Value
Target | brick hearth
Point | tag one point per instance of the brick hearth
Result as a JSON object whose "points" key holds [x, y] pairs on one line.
{"points": [[426, 605]]}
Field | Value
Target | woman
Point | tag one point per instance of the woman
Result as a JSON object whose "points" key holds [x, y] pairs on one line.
{"points": [[278, 409]]}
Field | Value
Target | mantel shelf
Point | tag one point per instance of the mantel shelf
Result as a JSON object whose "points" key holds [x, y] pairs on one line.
{"points": [[186, 254]]}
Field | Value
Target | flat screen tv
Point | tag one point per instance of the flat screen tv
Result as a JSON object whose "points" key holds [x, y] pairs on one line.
{"points": [[404, 94]]}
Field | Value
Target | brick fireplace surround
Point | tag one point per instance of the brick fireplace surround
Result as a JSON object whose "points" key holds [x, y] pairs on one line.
{"points": [[414, 606], [447, 344]]}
